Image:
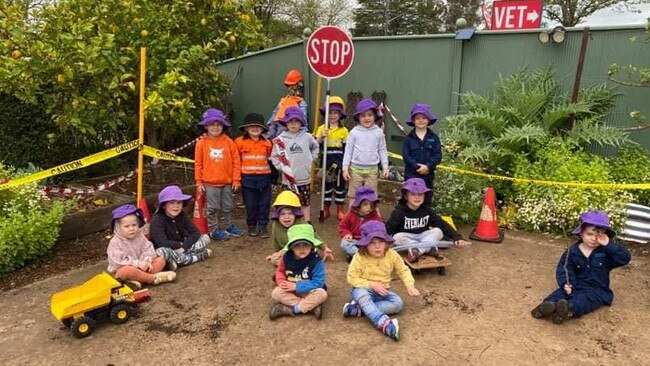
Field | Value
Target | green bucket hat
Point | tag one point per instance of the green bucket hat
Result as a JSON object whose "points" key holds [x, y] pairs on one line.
{"points": [[302, 232]]}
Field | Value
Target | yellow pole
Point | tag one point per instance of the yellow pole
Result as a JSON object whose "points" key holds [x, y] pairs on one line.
{"points": [[319, 83], [143, 67]]}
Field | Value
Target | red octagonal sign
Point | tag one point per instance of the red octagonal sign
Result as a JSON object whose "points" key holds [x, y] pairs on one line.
{"points": [[330, 52]]}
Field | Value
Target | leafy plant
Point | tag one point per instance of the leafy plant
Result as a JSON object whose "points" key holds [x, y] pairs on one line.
{"points": [[632, 165]]}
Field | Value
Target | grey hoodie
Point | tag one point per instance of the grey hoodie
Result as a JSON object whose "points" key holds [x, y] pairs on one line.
{"points": [[366, 148], [301, 150]]}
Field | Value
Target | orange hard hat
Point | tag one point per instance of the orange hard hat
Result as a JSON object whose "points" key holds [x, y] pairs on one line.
{"points": [[293, 77]]}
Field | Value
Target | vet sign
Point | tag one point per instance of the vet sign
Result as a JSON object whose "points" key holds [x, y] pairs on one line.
{"points": [[520, 14]]}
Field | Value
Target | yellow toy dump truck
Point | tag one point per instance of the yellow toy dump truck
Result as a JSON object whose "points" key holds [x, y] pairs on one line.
{"points": [[79, 307]]}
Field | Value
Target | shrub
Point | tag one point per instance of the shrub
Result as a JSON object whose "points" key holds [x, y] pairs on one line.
{"points": [[458, 195], [29, 224], [632, 165]]}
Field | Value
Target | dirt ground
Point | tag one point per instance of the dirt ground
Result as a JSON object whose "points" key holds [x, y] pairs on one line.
{"points": [[217, 313]]}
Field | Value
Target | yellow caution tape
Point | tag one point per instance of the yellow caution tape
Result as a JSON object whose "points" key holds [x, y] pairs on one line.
{"points": [[159, 154], [614, 186], [73, 165]]}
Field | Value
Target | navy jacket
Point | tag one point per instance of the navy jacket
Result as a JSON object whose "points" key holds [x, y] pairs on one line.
{"points": [[416, 151], [175, 233], [592, 274]]}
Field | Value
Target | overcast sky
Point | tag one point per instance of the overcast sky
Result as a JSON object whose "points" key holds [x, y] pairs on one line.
{"points": [[612, 17]]}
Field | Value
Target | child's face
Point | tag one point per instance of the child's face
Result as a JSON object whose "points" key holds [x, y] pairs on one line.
{"points": [[377, 248], [590, 235], [286, 217], [294, 125], [366, 207], [420, 121], [334, 117], [301, 250], [254, 131], [214, 129], [173, 208], [414, 199], [367, 118], [129, 226]]}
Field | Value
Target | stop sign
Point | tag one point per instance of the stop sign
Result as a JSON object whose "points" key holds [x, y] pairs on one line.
{"points": [[330, 52]]}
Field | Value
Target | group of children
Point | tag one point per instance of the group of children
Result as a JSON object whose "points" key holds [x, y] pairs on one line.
{"points": [[224, 166]]}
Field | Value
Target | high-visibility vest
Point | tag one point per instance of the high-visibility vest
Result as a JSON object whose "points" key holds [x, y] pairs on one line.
{"points": [[254, 155]]}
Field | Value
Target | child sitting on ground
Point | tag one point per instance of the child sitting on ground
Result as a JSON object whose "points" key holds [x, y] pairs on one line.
{"points": [[131, 257], [413, 222], [293, 153], [362, 209], [217, 171], [583, 271], [300, 276], [370, 274], [172, 232]]}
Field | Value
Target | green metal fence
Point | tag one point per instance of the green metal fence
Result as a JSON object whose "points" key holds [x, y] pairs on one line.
{"points": [[435, 69]]}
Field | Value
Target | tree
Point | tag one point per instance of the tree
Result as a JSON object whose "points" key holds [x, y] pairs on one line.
{"points": [[79, 60], [573, 12]]}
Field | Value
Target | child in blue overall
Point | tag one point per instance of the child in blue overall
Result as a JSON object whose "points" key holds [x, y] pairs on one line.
{"points": [[421, 149], [370, 273], [584, 280]]}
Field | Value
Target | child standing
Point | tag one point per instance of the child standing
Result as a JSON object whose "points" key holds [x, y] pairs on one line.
{"points": [[365, 149], [295, 87], [421, 150], [217, 173], [293, 153], [131, 257], [300, 276], [172, 232], [337, 135], [369, 275], [413, 222], [362, 209], [583, 270], [255, 151]]}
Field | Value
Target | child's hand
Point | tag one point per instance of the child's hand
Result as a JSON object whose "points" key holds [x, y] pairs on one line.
{"points": [[324, 134], [422, 169], [602, 239], [412, 291], [346, 174], [144, 266], [568, 289], [461, 243], [328, 254], [179, 250], [347, 237], [378, 288], [200, 188], [384, 173], [235, 187], [288, 286]]}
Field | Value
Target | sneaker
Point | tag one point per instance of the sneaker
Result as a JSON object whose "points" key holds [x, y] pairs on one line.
{"points": [[218, 234], [165, 276], [391, 329], [351, 309], [264, 232], [233, 231], [562, 312], [318, 312], [204, 254], [171, 265], [252, 231], [544, 309], [348, 258], [279, 310], [133, 285]]}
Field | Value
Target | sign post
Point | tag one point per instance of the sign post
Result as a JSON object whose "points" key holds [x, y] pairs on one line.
{"points": [[518, 14], [330, 53]]}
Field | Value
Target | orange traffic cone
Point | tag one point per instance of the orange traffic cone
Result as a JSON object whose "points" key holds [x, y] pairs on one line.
{"points": [[200, 221], [487, 228], [142, 204]]}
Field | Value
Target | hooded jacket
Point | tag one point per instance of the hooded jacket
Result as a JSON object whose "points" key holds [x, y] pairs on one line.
{"points": [[301, 150], [366, 147], [405, 220]]}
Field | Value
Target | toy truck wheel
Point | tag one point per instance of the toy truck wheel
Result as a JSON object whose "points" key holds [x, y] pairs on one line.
{"points": [[82, 327], [121, 313], [441, 271]]}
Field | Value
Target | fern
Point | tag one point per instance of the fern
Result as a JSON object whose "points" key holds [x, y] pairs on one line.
{"points": [[515, 138], [592, 131]]}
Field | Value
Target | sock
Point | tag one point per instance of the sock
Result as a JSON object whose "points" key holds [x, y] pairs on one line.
{"points": [[296, 309]]}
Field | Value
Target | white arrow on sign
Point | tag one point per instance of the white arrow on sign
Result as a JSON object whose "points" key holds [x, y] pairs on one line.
{"points": [[532, 16]]}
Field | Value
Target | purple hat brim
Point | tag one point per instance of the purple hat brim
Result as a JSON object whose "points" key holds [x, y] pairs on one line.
{"points": [[416, 190], [377, 116], [578, 230], [137, 212], [365, 240], [358, 200], [275, 214], [185, 198], [211, 120]]}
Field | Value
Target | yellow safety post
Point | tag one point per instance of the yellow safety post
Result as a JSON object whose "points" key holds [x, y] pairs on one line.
{"points": [[143, 67], [319, 83]]}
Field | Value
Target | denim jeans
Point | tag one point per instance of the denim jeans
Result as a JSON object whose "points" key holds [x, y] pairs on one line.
{"points": [[376, 307], [349, 246]]}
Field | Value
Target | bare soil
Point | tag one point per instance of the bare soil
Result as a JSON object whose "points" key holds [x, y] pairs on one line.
{"points": [[217, 313]]}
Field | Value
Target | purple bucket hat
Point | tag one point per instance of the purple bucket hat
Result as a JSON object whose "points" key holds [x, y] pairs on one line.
{"points": [[424, 109], [373, 229], [126, 210], [275, 214], [213, 115], [334, 107], [172, 193], [366, 105], [293, 113], [364, 193], [415, 185], [596, 218]]}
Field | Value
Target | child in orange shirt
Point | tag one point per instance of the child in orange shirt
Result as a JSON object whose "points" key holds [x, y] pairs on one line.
{"points": [[217, 172]]}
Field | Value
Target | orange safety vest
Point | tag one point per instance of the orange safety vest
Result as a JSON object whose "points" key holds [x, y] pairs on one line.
{"points": [[254, 155], [286, 102]]}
